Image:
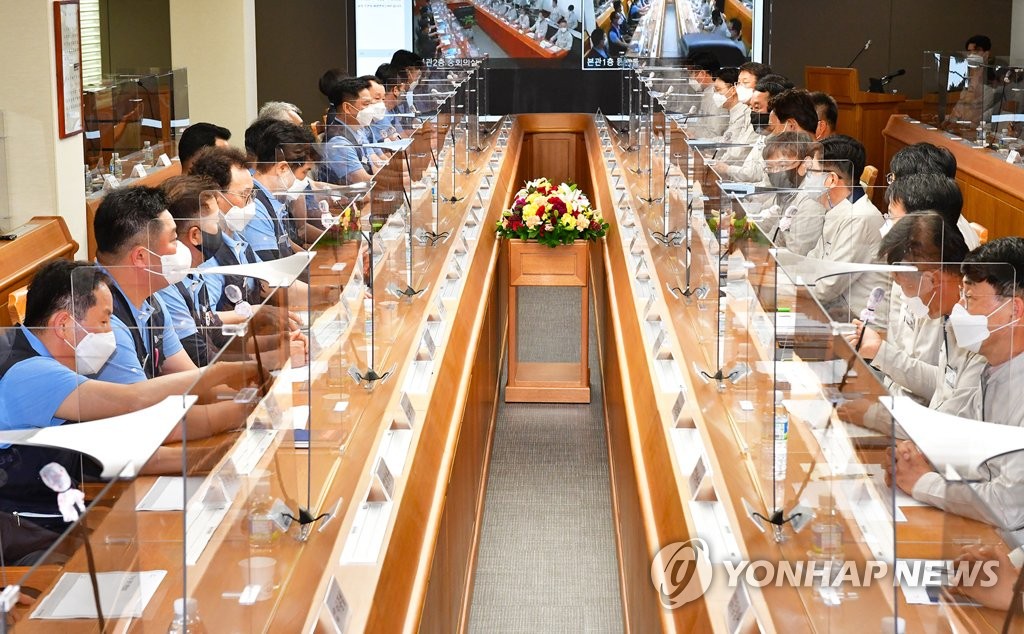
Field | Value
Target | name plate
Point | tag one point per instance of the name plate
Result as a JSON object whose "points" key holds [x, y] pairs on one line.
{"points": [[700, 470], [384, 479], [163, 160], [677, 407], [139, 171], [110, 181], [408, 410], [428, 344], [737, 608], [337, 606], [659, 341]]}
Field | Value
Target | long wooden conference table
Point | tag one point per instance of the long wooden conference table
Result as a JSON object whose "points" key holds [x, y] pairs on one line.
{"points": [[397, 551]]}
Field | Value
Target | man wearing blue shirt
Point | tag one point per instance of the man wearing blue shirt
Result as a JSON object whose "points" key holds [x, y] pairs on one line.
{"points": [[66, 334], [279, 149], [394, 99], [137, 246], [346, 135]]}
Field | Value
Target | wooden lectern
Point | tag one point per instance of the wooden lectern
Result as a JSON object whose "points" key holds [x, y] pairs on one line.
{"points": [[862, 115], [24, 249]]}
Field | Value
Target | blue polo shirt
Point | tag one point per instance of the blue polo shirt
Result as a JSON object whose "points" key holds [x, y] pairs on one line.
{"points": [[345, 154], [32, 389], [123, 366], [259, 233], [181, 318]]}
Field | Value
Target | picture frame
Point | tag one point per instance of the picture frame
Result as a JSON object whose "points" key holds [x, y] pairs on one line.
{"points": [[68, 52]]}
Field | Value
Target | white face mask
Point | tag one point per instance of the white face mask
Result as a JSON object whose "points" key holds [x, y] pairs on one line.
{"points": [[975, 60], [299, 185], [744, 94], [237, 218], [719, 99], [175, 267], [379, 110], [886, 226], [814, 181], [918, 307], [971, 330], [365, 116], [93, 351], [695, 85]]}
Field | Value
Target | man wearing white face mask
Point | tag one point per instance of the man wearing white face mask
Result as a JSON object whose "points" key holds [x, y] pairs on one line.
{"points": [[380, 128], [987, 321], [850, 232], [278, 148], [137, 245], [66, 335], [739, 129], [934, 369], [704, 66], [563, 38], [346, 134]]}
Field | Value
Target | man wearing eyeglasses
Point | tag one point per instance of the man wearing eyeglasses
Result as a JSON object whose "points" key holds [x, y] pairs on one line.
{"points": [[987, 322]]}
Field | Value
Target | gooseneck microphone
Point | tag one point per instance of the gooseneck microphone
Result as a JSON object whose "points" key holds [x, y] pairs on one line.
{"points": [[867, 45]]}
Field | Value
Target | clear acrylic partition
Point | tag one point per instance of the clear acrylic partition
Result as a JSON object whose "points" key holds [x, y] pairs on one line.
{"points": [[125, 113], [960, 459]]}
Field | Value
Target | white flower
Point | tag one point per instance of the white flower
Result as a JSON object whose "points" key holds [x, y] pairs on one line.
{"points": [[532, 221]]}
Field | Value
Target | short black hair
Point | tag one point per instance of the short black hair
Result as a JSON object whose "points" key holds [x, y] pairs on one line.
{"points": [[923, 238], [983, 265], [124, 215], [62, 285], [757, 69], [928, 192], [388, 75], [200, 135], [329, 82], [826, 107], [729, 75], [279, 141], [796, 105], [216, 163], [923, 158], [597, 37], [843, 153], [348, 90], [704, 60], [980, 41], [736, 24], [406, 59], [185, 196], [773, 84]]}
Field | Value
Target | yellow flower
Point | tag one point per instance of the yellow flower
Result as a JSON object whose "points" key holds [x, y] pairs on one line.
{"points": [[568, 221], [529, 210]]}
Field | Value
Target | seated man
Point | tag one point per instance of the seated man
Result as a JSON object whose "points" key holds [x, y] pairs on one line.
{"points": [[765, 88], [524, 21], [992, 297], [571, 18], [850, 233], [67, 335], [196, 137], [563, 38], [739, 129], [348, 160], [540, 29], [799, 215], [828, 114], [137, 246], [598, 45]]}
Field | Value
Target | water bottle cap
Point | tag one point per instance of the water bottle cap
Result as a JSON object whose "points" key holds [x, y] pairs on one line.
{"points": [[180, 605]]}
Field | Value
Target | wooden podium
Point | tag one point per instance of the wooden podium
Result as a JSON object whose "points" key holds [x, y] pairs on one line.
{"points": [[862, 115], [534, 264]]}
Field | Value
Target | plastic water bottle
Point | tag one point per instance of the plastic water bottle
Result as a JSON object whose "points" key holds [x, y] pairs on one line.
{"points": [[147, 154], [186, 618], [116, 167]]}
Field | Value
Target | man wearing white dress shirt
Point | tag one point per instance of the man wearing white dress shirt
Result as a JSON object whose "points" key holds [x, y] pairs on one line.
{"points": [[988, 322], [571, 18], [540, 29], [739, 129], [850, 233], [563, 38]]}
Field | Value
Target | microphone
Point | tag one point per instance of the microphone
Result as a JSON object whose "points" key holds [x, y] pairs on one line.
{"points": [[891, 76], [876, 85], [867, 45], [874, 299]]}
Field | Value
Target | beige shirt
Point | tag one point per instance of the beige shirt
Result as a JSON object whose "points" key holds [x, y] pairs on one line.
{"points": [[850, 234]]}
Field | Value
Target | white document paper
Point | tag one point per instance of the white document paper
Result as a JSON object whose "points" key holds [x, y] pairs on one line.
{"points": [[277, 273], [169, 493], [122, 595], [122, 444], [950, 441]]}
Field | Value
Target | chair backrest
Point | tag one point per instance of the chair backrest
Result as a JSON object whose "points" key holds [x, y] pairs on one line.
{"points": [[869, 176], [16, 304]]}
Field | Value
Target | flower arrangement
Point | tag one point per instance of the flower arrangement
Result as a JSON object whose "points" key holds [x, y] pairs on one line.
{"points": [[551, 215], [342, 227]]}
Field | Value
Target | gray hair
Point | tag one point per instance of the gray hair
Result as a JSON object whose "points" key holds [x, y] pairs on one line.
{"points": [[278, 110]]}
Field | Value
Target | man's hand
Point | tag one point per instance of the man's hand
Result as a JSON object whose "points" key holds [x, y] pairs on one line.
{"points": [[996, 595], [910, 466], [870, 343]]}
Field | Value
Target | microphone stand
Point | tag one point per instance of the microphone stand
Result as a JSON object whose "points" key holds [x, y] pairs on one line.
{"points": [[859, 53]]}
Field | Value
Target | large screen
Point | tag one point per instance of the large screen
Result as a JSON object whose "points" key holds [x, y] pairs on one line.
{"points": [[383, 27]]}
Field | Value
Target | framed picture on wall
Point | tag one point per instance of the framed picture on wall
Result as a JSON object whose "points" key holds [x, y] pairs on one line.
{"points": [[68, 47]]}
